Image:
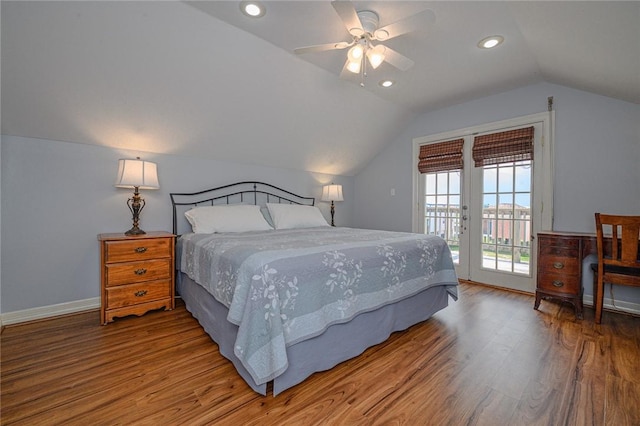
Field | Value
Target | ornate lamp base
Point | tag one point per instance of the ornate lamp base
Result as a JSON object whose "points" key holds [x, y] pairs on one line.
{"points": [[135, 204], [135, 231], [333, 211]]}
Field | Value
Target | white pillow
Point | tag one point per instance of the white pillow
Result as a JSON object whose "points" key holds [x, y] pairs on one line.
{"points": [[265, 212], [234, 218], [289, 216]]}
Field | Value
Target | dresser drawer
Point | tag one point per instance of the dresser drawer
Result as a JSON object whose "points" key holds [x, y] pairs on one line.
{"points": [[559, 265], [562, 251], [133, 294], [139, 249], [559, 283], [134, 272], [558, 240]]}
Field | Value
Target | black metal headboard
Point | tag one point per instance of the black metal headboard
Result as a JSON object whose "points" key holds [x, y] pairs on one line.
{"points": [[248, 192]]}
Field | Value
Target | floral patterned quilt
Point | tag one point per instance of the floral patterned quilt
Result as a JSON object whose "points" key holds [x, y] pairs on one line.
{"points": [[285, 286]]}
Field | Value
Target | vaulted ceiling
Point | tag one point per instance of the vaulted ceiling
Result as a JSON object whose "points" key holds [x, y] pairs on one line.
{"points": [[201, 79]]}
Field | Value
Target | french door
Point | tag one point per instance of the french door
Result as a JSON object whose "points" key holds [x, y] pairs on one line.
{"points": [[489, 215]]}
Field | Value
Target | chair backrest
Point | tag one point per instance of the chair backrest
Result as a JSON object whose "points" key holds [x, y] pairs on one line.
{"points": [[624, 232]]}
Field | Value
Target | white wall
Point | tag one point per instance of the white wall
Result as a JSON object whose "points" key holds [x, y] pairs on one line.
{"points": [[1, 231], [57, 196], [597, 158]]}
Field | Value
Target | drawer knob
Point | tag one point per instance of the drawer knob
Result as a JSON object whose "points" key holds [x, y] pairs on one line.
{"points": [[558, 265], [140, 271], [557, 283], [140, 293], [141, 249]]}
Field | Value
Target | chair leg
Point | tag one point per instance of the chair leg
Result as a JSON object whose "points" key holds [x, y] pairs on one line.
{"points": [[598, 296]]}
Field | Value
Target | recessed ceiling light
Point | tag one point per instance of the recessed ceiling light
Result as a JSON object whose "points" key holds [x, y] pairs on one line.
{"points": [[490, 42], [386, 83], [254, 9]]}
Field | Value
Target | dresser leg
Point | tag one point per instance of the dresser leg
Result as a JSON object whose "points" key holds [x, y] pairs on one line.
{"points": [[579, 305], [537, 304]]}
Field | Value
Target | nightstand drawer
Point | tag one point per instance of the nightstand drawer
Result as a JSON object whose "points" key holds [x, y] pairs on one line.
{"points": [[134, 272], [559, 283], [139, 249], [133, 294]]}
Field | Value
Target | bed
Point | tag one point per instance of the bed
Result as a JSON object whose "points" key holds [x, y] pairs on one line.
{"points": [[285, 303]]}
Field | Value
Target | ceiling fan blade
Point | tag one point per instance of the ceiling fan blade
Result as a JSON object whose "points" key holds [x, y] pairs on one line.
{"points": [[412, 23], [397, 60], [322, 47], [349, 16]]}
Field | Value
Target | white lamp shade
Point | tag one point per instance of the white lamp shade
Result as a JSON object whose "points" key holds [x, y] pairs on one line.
{"points": [[332, 193], [132, 173]]}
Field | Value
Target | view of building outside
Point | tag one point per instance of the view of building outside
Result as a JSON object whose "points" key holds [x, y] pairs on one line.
{"points": [[506, 214], [442, 208]]}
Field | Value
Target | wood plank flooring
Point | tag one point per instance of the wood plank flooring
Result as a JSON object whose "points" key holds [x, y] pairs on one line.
{"points": [[488, 359]]}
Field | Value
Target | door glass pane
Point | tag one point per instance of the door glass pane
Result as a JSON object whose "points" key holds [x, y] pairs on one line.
{"points": [[489, 206], [489, 258], [505, 257], [523, 177], [506, 234], [442, 208], [505, 179], [442, 182], [430, 180], [506, 202], [454, 203], [490, 181]]}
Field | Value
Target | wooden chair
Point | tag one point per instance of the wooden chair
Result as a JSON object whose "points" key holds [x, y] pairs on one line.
{"points": [[618, 261]]}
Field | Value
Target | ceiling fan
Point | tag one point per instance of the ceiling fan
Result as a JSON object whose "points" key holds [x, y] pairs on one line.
{"points": [[364, 29]]}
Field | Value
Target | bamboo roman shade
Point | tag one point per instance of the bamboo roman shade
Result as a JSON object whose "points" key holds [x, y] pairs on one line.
{"points": [[441, 156], [503, 147]]}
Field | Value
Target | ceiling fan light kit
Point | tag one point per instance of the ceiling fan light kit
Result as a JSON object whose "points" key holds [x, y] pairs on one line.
{"points": [[354, 66], [363, 28], [376, 56], [355, 57]]}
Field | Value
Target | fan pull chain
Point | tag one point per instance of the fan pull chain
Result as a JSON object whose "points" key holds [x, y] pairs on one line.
{"points": [[364, 68]]}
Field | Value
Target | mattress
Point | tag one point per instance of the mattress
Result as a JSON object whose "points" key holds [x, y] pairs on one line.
{"points": [[340, 342], [280, 288]]}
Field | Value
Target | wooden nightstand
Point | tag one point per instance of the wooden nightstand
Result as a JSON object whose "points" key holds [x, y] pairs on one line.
{"points": [[560, 269], [136, 274]]}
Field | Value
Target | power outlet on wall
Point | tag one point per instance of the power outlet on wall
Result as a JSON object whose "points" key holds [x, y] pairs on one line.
{"points": [[393, 192]]}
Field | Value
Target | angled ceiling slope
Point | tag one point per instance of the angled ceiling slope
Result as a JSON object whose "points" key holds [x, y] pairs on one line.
{"points": [[208, 81], [592, 46], [164, 77]]}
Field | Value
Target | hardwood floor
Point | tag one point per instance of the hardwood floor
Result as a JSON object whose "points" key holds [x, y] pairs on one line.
{"points": [[488, 359]]}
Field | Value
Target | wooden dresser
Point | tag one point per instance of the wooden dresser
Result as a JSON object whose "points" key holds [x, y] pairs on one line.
{"points": [[560, 258], [136, 274]]}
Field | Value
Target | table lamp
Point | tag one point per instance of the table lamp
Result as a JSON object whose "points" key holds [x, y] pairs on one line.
{"points": [[136, 174], [332, 193]]}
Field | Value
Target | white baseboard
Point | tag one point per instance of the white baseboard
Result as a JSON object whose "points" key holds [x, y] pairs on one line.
{"points": [[620, 305], [49, 311]]}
